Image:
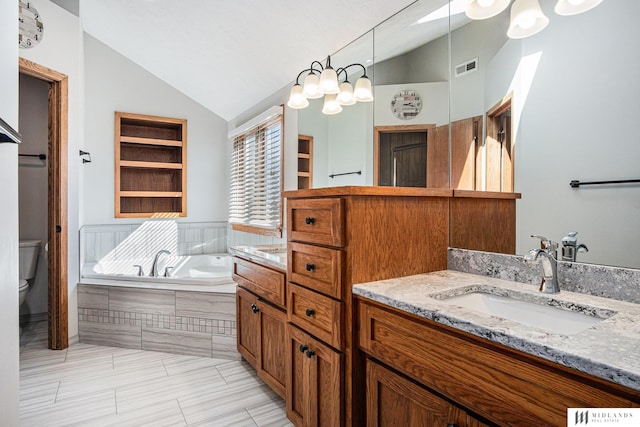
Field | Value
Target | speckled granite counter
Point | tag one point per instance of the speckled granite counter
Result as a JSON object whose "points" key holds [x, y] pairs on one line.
{"points": [[270, 255], [607, 350]]}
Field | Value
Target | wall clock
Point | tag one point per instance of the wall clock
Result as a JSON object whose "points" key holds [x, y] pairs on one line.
{"points": [[406, 104], [30, 25]]}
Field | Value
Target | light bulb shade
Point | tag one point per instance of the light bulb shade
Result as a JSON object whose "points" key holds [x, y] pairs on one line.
{"points": [[574, 7], [331, 105], [329, 81], [310, 89], [297, 99], [362, 92], [527, 19], [483, 9], [345, 97]]}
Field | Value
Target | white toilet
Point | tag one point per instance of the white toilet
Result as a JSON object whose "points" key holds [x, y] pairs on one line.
{"points": [[28, 260]]}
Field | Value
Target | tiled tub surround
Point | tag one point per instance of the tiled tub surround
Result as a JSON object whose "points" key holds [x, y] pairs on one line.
{"points": [[129, 241], [618, 283], [173, 321], [607, 350]]}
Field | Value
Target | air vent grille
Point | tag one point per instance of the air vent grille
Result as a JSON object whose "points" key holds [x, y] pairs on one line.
{"points": [[466, 67]]}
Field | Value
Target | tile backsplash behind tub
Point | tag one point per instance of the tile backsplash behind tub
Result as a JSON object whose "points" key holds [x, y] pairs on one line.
{"points": [[144, 240]]}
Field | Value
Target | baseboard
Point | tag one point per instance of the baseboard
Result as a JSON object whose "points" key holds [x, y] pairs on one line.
{"points": [[74, 339]]}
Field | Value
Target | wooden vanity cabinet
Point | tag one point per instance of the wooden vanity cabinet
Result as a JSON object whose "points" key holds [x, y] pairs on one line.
{"points": [[338, 237], [499, 384], [314, 381], [261, 323], [394, 400]]}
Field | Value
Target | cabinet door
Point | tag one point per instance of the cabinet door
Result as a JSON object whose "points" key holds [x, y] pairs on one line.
{"points": [[248, 327], [393, 400], [314, 381], [271, 361]]}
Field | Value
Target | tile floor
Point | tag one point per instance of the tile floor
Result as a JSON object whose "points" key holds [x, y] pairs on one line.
{"points": [[89, 385]]}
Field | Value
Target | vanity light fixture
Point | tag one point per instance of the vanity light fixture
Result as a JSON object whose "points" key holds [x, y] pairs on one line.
{"points": [[527, 17], [483, 9], [324, 80], [574, 7]]}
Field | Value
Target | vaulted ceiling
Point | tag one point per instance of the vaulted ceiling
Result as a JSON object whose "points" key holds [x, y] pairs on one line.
{"points": [[230, 55]]}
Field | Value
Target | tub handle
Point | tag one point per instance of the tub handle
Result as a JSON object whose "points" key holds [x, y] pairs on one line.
{"points": [[167, 273], [140, 271]]}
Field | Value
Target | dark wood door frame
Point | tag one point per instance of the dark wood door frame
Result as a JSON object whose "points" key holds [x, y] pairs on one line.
{"points": [[58, 310], [390, 129]]}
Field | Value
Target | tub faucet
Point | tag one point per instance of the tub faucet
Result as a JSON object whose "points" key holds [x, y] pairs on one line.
{"points": [[154, 266], [549, 264]]}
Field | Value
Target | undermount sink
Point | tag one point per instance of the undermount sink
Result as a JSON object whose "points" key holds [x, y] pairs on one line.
{"points": [[549, 318]]}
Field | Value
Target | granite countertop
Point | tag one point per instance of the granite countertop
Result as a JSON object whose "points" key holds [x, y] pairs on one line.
{"points": [[608, 349], [271, 255]]}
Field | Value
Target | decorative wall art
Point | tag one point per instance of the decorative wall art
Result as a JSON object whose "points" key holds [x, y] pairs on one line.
{"points": [[406, 104]]}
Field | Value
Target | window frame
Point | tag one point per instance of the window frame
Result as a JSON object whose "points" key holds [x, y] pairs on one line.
{"points": [[254, 129]]}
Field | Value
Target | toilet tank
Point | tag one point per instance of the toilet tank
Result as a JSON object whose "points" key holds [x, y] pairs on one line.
{"points": [[28, 258]]}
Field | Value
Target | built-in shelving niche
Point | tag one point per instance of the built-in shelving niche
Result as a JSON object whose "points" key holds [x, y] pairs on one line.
{"points": [[150, 166]]}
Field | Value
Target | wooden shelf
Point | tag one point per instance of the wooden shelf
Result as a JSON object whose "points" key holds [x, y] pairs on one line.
{"points": [[305, 161], [150, 166], [154, 165], [150, 194], [150, 141]]}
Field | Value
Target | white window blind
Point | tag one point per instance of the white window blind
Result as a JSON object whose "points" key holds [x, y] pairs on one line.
{"points": [[256, 176]]}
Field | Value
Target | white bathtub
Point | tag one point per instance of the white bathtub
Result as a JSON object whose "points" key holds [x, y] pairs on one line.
{"points": [[209, 273]]}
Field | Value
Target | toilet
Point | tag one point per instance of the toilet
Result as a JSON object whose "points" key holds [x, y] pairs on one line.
{"points": [[28, 260]]}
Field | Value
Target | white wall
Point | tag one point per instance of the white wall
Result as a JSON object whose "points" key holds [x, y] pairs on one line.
{"points": [[60, 50], [33, 186], [579, 121], [114, 83], [9, 350]]}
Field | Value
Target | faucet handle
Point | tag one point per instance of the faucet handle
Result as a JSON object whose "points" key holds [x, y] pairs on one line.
{"points": [[570, 239], [546, 244], [140, 271]]}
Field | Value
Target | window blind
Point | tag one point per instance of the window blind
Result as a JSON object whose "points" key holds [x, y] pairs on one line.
{"points": [[256, 176]]}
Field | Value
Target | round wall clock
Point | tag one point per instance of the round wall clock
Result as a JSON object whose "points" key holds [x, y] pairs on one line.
{"points": [[406, 104], [30, 25]]}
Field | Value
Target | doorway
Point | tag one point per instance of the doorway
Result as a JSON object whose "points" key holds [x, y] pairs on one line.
{"points": [[401, 155], [57, 154]]}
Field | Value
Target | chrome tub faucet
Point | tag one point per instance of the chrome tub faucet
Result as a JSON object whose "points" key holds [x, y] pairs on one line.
{"points": [[154, 266]]}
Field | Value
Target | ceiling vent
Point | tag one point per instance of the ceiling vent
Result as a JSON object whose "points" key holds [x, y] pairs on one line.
{"points": [[466, 67]]}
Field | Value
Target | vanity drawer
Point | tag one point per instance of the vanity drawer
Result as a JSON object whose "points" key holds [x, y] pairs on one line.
{"points": [[502, 385], [317, 314], [318, 221], [316, 268], [262, 281]]}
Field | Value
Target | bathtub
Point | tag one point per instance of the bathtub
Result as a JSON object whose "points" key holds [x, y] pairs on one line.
{"points": [[205, 273]]}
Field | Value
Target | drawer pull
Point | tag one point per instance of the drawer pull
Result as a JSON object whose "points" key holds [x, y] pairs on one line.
{"points": [[309, 220], [303, 348], [310, 267], [254, 308], [310, 353], [309, 312], [452, 425]]}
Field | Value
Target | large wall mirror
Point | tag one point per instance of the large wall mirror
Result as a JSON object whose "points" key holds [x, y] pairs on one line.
{"points": [[526, 115]]}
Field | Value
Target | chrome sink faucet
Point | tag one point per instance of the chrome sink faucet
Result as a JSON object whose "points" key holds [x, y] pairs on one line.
{"points": [[154, 266], [571, 247], [549, 263]]}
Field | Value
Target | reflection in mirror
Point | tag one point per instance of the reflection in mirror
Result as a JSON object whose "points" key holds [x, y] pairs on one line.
{"points": [[572, 93], [342, 150]]}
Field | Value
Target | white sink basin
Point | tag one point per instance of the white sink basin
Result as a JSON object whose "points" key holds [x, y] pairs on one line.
{"points": [[548, 318]]}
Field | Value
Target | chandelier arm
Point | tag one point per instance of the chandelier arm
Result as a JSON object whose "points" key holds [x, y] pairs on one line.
{"points": [[344, 69], [307, 69]]}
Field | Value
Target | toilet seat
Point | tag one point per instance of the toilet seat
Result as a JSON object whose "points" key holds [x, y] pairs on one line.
{"points": [[23, 285]]}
